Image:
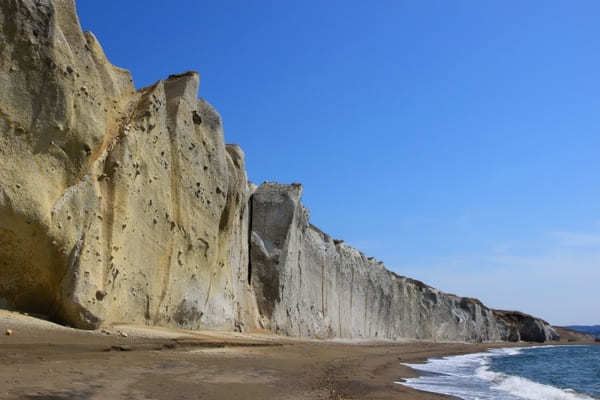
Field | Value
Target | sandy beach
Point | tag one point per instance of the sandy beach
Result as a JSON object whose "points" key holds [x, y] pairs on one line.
{"points": [[42, 360]]}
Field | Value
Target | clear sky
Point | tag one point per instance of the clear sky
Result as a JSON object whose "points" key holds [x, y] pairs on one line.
{"points": [[457, 141]]}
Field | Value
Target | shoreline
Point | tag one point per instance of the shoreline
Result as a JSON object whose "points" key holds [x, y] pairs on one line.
{"points": [[455, 375], [453, 386], [40, 360]]}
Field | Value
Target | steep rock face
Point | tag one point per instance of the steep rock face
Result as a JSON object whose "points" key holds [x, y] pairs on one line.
{"points": [[518, 326], [119, 205], [56, 86], [308, 284], [115, 205]]}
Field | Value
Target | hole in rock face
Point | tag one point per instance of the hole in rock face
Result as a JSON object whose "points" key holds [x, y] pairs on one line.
{"points": [[196, 118]]}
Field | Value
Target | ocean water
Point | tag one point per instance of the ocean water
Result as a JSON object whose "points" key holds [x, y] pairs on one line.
{"points": [[534, 373]]}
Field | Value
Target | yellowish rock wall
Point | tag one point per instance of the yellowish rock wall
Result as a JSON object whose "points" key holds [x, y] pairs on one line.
{"points": [[115, 204]]}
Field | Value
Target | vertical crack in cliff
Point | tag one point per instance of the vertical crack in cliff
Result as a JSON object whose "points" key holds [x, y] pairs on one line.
{"points": [[250, 208], [107, 208], [108, 186], [323, 289], [175, 170]]}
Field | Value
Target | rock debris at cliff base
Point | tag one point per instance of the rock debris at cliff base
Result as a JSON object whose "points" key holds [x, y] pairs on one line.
{"points": [[119, 205]]}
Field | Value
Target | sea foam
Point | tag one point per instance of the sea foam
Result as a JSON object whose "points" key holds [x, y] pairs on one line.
{"points": [[470, 378]]}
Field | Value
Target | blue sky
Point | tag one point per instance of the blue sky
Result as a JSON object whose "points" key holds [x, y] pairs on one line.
{"points": [[457, 141]]}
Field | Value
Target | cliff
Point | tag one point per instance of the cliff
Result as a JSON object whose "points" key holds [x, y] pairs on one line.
{"points": [[308, 284], [115, 204], [124, 205]]}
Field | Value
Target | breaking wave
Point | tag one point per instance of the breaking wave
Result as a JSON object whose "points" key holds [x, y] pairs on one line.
{"points": [[470, 377]]}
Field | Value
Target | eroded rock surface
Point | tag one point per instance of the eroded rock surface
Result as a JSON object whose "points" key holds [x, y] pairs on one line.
{"points": [[308, 284], [125, 205], [115, 204], [523, 327]]}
